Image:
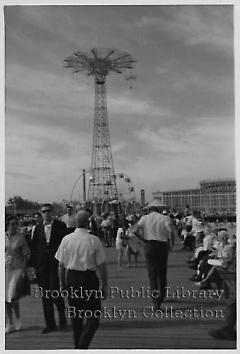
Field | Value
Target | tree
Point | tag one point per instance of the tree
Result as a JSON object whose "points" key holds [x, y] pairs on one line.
{"points": [[22, 204], [19, 204]]}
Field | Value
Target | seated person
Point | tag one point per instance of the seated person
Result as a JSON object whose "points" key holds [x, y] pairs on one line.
{"points": [[226, 254], [213, 253], [194, 260], [206, 248], [188, 221], [189, 241], [183, 234]]}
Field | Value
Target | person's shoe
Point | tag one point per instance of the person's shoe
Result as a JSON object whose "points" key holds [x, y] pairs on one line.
{"points": [[203, 285], [49, 329], [63, 326], [196, 277], [200, 284], [223, 334], [18, 324], [9, 329]]}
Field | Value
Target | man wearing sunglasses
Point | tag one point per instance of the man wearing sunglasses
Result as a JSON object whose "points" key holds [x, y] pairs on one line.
{"points": [[46, 239]]}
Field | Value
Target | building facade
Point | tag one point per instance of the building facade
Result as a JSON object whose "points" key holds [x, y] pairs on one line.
{"points": [[218, 196], [213, 196]]}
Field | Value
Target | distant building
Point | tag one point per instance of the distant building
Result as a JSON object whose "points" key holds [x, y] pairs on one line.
{"points": [[213, 196], [179, 199], [218, 195], [158, 196]]}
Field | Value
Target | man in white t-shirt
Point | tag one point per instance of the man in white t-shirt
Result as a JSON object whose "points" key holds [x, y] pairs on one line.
{"points": [[156, 231]]}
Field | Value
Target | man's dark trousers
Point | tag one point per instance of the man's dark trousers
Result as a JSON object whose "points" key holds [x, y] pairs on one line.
{"points": [[83, 328], [47, 281], [156, 254]]}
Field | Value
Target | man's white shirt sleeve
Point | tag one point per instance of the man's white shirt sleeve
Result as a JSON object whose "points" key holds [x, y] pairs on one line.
{"points": [[60, 254], [141, 221]]}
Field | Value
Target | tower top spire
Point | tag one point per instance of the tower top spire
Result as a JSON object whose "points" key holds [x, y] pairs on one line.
{"points": [[99, 62]]}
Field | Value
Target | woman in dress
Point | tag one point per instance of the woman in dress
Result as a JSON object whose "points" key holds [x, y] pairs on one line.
{"points": [[17, 254], [133, 243]]}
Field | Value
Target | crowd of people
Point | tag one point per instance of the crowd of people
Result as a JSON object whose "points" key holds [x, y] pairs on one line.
{"points": [[213, 247], [59, 252]]}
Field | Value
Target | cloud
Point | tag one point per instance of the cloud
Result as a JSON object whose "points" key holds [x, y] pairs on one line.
{"points": [[205, 136], [128, 105], [162, 69], [196, 25], [20, 175], [53, 143], [173, 128], [182, 157], [53, 157], [119, 147], [195, 81]]}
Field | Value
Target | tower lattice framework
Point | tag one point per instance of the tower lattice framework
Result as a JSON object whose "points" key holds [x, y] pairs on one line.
{"points": [[99, 63]]}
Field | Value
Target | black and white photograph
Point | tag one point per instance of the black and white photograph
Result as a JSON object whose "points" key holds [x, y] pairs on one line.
{"points": [[120, 176]]}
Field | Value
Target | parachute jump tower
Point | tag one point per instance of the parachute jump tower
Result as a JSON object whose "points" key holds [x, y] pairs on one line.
{"points": [[99, 63]]}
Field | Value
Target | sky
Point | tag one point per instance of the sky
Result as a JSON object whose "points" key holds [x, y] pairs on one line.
{"points": [[174, 128]]}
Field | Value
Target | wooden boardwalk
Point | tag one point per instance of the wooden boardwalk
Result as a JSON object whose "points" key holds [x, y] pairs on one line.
{"points": [[133, 333]]}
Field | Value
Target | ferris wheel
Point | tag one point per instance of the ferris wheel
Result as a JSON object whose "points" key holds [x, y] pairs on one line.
{"points": [[125, 188], [124, 184], [125, 197]]}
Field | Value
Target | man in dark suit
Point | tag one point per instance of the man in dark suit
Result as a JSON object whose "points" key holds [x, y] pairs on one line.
{"points": [[46, 239]]}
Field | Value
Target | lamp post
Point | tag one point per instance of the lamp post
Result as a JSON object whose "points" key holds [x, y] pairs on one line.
{"points": [[83, 174], [84, 185]]}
